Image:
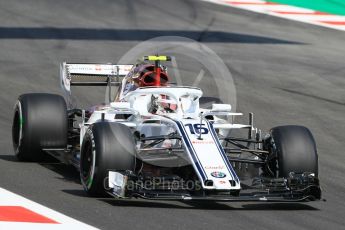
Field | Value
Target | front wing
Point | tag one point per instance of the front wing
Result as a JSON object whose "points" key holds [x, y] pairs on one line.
{"points": [[296, 188]]}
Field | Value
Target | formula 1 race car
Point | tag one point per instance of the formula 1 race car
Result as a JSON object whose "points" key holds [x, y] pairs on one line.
{"points": [[154, 140]]}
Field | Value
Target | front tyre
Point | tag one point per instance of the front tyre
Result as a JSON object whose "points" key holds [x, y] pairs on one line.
{"points": [[106, 146], [294, 150]]}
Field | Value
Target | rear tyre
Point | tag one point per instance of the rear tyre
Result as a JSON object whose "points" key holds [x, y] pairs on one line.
{"points": [[106, 146], [294, 150], [39, 121]]}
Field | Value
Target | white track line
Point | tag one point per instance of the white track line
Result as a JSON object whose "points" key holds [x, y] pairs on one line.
{"points": [[289, 12], [8, 198]]}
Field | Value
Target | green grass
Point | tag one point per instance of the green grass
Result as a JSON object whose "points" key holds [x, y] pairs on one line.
{"points": [[328, 6]]}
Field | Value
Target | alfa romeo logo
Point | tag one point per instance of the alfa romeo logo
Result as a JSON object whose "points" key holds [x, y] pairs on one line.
{"points": [[218, 174]]}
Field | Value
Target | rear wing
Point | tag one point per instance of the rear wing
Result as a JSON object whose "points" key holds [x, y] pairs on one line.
{"points": [[78, 74]]}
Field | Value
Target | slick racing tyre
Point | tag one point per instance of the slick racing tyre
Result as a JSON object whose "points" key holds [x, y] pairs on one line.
{"points": [[106, 146], [39, 122], [294, 149]]}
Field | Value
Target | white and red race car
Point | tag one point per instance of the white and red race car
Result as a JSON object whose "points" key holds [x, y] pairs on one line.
{"points": [[155, 141]]}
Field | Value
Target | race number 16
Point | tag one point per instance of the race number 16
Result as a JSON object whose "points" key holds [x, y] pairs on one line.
{"points": [[197, 128]]}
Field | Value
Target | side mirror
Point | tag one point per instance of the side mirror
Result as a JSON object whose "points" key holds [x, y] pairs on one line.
{"points": [[120, 105], [221, 108]]}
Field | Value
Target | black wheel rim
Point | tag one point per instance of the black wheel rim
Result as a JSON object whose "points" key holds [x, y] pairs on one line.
{"points": [[86, 163], [16, 129]]}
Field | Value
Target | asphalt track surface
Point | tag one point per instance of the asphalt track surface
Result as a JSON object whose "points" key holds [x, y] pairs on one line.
{"points": [[285, 72]]}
